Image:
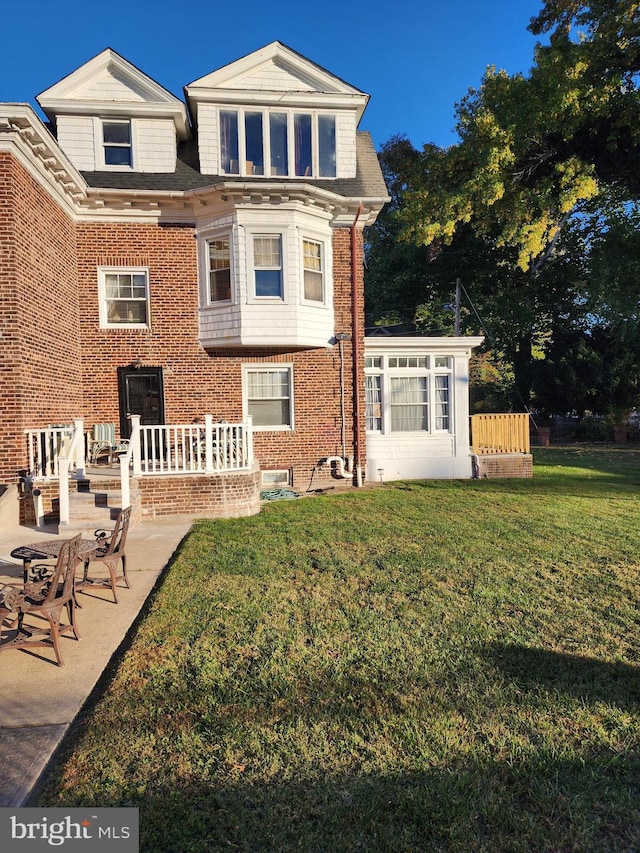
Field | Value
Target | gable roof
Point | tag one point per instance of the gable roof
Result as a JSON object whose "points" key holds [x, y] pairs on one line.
{"points": [[103, 84], [278, 74]]}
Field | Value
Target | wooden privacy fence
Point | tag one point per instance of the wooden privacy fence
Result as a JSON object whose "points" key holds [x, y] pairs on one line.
{"points": [[494, 434]]}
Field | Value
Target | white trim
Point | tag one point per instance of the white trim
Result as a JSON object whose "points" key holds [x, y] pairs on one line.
{"points": [[251, 234], [264, 367], [103, 271]]}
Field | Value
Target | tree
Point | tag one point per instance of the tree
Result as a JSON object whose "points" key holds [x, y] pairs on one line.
{"points": [[534, 150]]}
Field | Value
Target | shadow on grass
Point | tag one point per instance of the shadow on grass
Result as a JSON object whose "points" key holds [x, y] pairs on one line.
{"points": [[585, 678], [498, 806]]}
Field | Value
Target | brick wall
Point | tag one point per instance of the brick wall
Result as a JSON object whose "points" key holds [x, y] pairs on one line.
{"points": [[56, 363], [197, 382], [40, 354], [518, 465], [216, 496]]}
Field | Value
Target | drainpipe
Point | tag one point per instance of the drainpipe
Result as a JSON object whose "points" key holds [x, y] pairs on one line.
{"points": [[355, 348]]}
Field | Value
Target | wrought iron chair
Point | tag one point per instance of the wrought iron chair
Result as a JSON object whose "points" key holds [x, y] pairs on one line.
{"points": [[103, 442], [110, 551], [45, 598]]}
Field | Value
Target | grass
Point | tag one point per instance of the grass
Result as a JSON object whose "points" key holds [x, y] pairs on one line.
{"points": [[421, 666]]}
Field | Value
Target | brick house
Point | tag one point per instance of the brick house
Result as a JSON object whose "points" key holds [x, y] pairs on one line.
{"points": [[192, 272], [189, 262]]}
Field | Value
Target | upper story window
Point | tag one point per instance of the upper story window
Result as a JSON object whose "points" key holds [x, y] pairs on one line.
{"points": [[116, 143], [219, 269], [124, 297], [277, 143], [267, 265], [313, 271]]}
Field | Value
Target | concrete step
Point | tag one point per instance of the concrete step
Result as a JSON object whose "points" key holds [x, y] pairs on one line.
{"points": [[92, 509]]}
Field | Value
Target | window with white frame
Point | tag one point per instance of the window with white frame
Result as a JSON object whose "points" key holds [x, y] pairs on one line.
{"points": [[373, 407], [409, 403], [312, 263], [116, 143], [269, 397], [408, 393], [219, 269], [267, 265], [276, 142], [124, 297]]}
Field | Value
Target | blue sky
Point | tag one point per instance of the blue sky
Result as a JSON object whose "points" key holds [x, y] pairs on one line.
{"points": [[416, 58]]}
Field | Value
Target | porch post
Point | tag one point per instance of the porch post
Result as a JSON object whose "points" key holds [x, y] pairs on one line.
{"points": [[63, 482], [208, 444], [79, 450]]}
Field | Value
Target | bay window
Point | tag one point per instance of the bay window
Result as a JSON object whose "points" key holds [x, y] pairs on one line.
{"points": [[267, 265], [313, 283], [219, 269]]}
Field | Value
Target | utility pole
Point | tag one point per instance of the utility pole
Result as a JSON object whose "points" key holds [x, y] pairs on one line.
{"points": [[458, 291]]}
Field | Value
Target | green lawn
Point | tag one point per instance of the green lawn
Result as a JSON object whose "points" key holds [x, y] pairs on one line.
{"points": [[419, 666]]}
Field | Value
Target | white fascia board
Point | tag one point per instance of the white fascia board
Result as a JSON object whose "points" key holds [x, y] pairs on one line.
{"points": [[128, 109], [304, 100], [454, 345]]}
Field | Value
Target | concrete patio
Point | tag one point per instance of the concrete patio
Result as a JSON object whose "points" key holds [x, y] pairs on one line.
{"points": [[39, 699]]}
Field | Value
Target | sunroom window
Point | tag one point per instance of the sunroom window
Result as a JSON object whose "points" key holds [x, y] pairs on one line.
{"points": [[409, 403]]}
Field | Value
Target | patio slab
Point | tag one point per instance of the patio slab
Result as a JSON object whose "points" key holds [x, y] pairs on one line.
{"points": [[40, 700]]}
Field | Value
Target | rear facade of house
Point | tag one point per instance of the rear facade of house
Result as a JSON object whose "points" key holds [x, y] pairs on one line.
{"points": [[178, 260]]}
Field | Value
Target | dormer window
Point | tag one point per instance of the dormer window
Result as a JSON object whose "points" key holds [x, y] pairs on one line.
{"points": [[277, 143], [116, 143]]}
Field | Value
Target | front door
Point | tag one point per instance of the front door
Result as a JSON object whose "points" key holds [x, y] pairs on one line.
{"points": [[141, 393]]}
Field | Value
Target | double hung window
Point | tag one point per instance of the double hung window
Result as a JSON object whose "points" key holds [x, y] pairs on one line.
{"points": [[124, 297], [313, 271], [116, 143], [269, 399], [267, 265], [219, 262]]}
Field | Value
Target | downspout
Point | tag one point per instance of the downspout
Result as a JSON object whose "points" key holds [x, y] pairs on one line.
{"points": [[355, 348]]}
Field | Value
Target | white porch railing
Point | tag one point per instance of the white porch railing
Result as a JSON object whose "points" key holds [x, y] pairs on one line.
{"points": [[209, 448]]}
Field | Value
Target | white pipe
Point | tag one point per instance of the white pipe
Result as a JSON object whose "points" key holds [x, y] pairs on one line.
{"points": [[340, 468]]}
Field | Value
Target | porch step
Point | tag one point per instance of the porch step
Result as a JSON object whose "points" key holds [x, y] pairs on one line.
{"points": [[92, 507]]}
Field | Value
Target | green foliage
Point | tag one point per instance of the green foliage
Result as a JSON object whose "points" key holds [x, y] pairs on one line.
{"points": [[535, 149]]}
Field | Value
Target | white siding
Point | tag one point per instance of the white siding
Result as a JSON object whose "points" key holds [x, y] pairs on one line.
{"points": [[346, 145], [272, 78], [109, 86], [208, 139], [76, 138], [154, 145]]}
